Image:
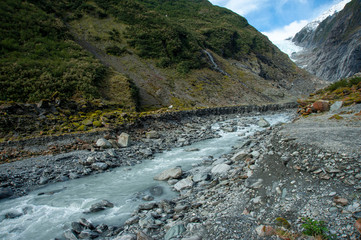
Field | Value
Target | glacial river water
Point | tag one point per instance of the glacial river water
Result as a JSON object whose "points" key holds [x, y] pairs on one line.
{"points": [[47, 216]]}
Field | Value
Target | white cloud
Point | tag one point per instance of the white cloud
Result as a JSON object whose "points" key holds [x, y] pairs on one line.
{"points": [[280, 34], [242, 7]]}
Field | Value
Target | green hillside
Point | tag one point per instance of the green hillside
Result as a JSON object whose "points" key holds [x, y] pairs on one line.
{"points": [[131, 55]]}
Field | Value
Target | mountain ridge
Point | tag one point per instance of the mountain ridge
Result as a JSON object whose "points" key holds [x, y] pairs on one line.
{"points": [[331, 50]]}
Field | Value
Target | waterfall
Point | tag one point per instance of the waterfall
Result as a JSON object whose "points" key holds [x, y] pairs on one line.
{"points": [[215, 66]]}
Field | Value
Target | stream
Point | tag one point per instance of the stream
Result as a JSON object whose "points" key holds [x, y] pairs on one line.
{"points": [[47, 212]]}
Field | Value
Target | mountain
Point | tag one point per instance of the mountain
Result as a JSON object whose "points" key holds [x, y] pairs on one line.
{"points": [[140, 54], [332, 47]]}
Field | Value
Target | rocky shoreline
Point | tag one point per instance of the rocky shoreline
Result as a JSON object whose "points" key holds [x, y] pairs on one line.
{"points": [[60, 155], [264, 189]]}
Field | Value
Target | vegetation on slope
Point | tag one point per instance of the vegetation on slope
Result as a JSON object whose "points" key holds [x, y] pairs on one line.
{"points": [[38, 57]]}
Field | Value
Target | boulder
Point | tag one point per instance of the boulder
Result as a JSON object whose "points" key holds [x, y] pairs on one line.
{"points": [[220, 168], [184, 183], [127, 236], [240, 156], [124, 140], [96, 207], [152, 135], [174, 232], [336, 106], [169, 174], [88, 234], [5, 193], [70, 235], [86, 223], [103, 143], [99, 166], [321, 106], [263, 123]]}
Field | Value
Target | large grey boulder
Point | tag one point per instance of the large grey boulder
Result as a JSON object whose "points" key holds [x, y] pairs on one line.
{"points": [[152, 135], [175, 232], [124, 140], [263, 123], [6, 192], [99, 166], [169, 174], [336, 106], [183, 184], [220, 168], [96, 207], [240, 156], [103, 143]]}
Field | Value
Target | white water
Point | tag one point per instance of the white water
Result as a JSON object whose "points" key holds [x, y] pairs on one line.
{"points": [[47, 216]]}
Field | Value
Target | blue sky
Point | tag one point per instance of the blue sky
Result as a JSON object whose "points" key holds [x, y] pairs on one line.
{"points": [[277, 18]]}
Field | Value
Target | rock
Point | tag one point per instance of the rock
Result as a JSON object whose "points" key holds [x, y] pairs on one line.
{"points": [[99, 166], [358, 225], [169, 174], [127, 236], [132, 220], [336, 106], [86, 223], [147, 152], [13, 215], [100, 206], [6, 192], [240, 156], [152, 135], [70, 235], [103, 143], [124, 140], [340, 201], [142, 236], [77, 227], [88, 234], [156, 191], [321, 106], [174, 232], [202, 176], [254, 183], [147, 206], [43, 180], [147, 221], [264, 231], [184, 183], [220, 168], [148, 198], [263, 123], [101, 228]]}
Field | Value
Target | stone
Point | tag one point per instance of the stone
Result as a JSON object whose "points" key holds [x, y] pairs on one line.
{"points": [[101, 228], [103, 143], [43, 180], [124, 140], [220, 168], [96, 207], [340, 201], [142, 236], [321, 106], [13, 215], [99, 166], [152, 135], [6, 192], [77, 227], [202, 176], [147, 206], [70, 235], [88, 234], [132, 220], [174, 232], [86, 223], [240, 156], [148, 198], [263, 123], [264, 231], [147, 221], [183, 184], [169, 174], [358, 225], [127, 236], [336, 106], [156, 191]]}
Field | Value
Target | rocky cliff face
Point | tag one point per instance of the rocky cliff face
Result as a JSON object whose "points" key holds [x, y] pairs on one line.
{"points": [[332, 50]]}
